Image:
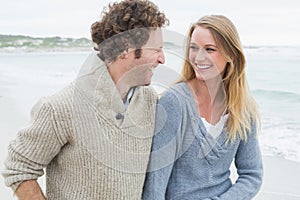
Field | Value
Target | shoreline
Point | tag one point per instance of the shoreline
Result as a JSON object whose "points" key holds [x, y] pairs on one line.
{"points": [[281, 179], [281, 176], [20, 89]]}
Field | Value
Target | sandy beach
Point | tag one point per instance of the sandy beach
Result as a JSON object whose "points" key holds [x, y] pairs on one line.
{"points": [[281, 180], [21, 86], [281, 177]]}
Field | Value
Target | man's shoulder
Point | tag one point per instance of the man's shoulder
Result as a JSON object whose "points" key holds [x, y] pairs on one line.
{"points": [[147, 92], [62, 99], [65, 93]]}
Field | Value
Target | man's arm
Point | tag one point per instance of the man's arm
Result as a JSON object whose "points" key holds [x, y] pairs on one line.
{"points": [[33, 149], [29, 190]]}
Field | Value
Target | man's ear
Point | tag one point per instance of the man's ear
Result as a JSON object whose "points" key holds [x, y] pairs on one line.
{"points": [[124, 54]]}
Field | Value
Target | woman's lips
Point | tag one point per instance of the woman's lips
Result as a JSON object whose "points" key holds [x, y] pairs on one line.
{"points": [[203, 66]]}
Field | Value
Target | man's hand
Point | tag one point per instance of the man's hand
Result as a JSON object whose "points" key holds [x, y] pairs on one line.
{"points": [[29, 190]]}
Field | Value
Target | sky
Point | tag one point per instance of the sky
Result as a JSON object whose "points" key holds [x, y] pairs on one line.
{"points": [[259, 22]]}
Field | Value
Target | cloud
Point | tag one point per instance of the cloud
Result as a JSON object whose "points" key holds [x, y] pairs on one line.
{"points": [[258, 22]]}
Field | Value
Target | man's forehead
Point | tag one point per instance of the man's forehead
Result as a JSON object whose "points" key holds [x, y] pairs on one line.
{"points": [[155, 39]]}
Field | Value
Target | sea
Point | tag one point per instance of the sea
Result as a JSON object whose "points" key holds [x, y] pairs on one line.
{"points": [[273, 75], [272, 71]]}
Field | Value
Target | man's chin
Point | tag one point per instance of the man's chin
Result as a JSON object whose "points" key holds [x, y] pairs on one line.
{"points": [[148, 82]]}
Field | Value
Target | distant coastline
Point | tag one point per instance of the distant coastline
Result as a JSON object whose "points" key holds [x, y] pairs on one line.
{"points": [[27, 44], [21, 43]]}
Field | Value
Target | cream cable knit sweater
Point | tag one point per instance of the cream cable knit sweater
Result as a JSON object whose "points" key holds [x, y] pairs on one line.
{"points": [[91, 146]]}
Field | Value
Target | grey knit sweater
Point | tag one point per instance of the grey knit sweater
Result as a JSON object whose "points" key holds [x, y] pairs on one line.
{"points": [[187, 163], [91, 146]]}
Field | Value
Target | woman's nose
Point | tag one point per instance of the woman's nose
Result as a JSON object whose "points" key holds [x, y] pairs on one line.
{"points": [[201, 54]]}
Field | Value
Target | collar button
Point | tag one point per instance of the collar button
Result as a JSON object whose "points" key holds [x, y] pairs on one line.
{"points": [[119, 116]]}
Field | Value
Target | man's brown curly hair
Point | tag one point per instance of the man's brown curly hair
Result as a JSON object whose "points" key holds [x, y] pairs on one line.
{"points": [[125, 24]]}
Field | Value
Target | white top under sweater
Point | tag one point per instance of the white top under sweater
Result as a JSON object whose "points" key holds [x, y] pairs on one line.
{"points": [[215, 130]]}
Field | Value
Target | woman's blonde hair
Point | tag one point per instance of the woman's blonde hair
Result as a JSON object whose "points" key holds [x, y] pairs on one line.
{"points": [[240, 105]]}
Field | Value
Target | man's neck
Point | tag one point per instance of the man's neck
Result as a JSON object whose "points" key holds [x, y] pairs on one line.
{"points": [[122, 84]]}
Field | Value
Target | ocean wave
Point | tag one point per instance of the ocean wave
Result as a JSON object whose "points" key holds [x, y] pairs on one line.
{"points": [[277, 94], [281, 51], [281, 142]]}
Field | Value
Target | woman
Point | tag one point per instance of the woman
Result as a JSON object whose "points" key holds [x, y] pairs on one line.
{"points": [[206, 121]]}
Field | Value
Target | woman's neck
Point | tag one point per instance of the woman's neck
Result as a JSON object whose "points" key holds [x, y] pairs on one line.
{"points": [[210, 98], [207, 91]]}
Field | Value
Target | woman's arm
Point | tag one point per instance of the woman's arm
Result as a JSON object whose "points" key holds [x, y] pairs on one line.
{"points": [[165, 147], [248, 162]]}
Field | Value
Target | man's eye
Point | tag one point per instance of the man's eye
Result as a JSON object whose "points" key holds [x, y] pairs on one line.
{"points": [[155, 50]]}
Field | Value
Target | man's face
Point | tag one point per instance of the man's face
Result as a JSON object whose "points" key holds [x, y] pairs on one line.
{"points": [[152, 55]]}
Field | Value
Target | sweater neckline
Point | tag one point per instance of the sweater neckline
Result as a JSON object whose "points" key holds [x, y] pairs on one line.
{"points": [[211, 148], [184, 90], [100, 92]]}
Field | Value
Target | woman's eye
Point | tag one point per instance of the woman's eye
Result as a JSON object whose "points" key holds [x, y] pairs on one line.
{"points": [[210, 49], [194, 48]]}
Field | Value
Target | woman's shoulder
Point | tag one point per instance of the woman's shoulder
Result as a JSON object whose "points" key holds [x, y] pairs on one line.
{"points": [[176, 94]]}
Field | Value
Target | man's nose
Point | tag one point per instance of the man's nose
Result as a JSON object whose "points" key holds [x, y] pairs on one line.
{"points": [[161, 58]]}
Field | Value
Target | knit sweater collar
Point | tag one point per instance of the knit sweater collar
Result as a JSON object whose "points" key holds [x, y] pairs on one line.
{"points": [[100, 91], [210, 148]]}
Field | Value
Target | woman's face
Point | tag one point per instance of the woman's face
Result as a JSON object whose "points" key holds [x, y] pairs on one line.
{"points": [[207, 60]]}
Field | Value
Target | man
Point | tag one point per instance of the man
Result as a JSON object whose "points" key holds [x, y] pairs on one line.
{"points": [[94, 136]]}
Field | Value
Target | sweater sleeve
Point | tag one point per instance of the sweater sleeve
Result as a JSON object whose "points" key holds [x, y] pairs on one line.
{"points": [[34, 147], [248, 162], [164, 147]]}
